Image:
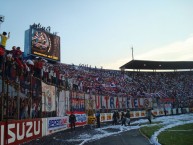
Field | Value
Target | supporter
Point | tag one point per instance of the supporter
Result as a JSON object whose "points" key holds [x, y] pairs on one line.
{"points": [[45, 73], [149, 114], [98, 119], [38, 67], [18, 53], [30, 64], [13, 51], [26, 69], [50, 73], [8, 64], [4, 39], [128, 117], [118, 116], [72, 120], [62, 80], [114, 118], [26, 115], [56, 76], [19, 62], [123, 119], [34, 110]]}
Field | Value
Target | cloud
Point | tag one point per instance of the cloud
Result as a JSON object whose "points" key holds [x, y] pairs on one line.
{"points": [[116, 64], [176, 51]]}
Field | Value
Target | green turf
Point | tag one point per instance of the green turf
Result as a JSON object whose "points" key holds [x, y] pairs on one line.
{"points": [[149, 130], [179, 135]]}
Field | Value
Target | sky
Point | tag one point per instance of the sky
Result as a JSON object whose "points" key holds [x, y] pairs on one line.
{"points": [[101, 33], [167, 122]]}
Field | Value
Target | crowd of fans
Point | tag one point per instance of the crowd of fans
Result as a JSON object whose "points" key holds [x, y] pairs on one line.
{"points": [[29, 72]]}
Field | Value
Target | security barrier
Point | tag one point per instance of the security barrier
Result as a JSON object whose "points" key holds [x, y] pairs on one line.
{"points": [[35, 128]]}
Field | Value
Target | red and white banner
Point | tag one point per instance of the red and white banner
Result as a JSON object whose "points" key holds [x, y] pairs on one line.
{"points": [[77, 101], [17, 132]]}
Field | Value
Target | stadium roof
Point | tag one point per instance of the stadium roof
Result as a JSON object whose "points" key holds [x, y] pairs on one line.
{"points": [[158, 65]]}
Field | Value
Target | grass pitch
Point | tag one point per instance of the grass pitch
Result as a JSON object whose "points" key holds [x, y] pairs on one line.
{"points": [[179, 135]]}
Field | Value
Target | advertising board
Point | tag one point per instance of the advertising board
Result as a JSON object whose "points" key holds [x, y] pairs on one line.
{"points": [[17, 132], [55, 123], [45, 44]]}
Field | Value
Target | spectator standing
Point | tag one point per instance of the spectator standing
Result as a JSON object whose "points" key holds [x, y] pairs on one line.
{"points": [[149, 114], [34, 110], [19, 61], [118, 116], [98, 119], [72, 120], [114, 118], [39, 67], [30, 64], [46, 71], [128, 117], [26, 110], [8, 64], [4, 39], [123, 119], [13, 51], [18, 53], [2, 47]]}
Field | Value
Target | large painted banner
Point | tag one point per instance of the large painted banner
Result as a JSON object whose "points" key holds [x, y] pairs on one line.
{"points": [[77, 101], [63, 103], [19, 131], [71, 100], [107, 102], [90, 101], [55, 123], [48, 98]]}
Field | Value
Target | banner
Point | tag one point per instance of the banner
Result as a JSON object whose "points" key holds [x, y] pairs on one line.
{"points": [[55, 123], [48, 98], [78, 101], [90, 102], [97, 102], [63, 103]]}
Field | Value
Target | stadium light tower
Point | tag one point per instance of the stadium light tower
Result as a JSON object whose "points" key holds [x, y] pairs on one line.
{"points": [[132, 53], [2, 18]]}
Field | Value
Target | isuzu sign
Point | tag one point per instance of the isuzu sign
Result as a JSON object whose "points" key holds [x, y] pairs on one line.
{"points": [[17, 132]]}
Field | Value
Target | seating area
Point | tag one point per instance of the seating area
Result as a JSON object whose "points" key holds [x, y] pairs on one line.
{"points": [[28, 74]]}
